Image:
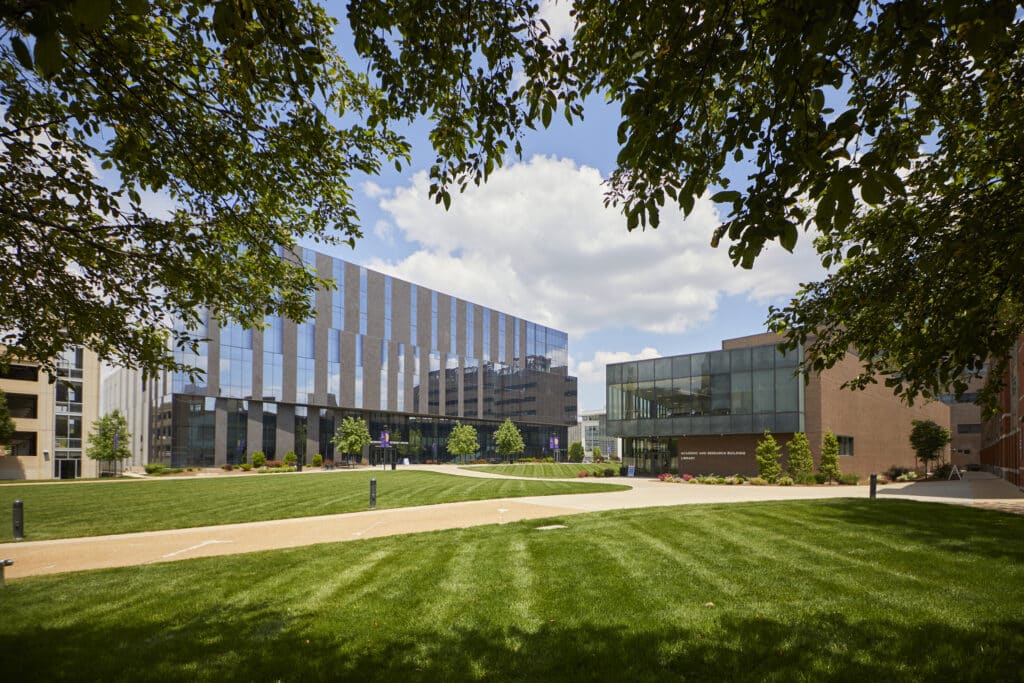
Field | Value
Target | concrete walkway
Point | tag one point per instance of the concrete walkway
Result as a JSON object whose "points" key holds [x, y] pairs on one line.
{"points": [[33, 558]]}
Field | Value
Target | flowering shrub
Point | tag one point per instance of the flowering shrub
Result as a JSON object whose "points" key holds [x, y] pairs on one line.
{"points": [[664, 476], [582, 474], [687, 477]]}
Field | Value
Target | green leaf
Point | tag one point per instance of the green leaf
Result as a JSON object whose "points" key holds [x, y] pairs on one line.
{"points": [[726, 196], [870, 190], [48, 56], [21, 52], [91, 14], [788, 236], [545, 115]]}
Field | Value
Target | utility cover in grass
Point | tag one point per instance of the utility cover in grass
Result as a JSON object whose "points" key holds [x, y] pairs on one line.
{"points": [[552, 526]]}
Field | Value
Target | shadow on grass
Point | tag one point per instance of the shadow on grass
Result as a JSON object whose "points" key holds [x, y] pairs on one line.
{"points": [[262, 645], [941, 525]]}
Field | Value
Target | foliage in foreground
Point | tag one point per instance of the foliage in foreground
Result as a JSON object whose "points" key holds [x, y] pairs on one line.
{"points": [[891, 129], [686, 592], [230, 110]]}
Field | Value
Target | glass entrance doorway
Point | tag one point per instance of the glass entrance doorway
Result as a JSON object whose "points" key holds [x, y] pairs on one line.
{"points": [[69, 468]]}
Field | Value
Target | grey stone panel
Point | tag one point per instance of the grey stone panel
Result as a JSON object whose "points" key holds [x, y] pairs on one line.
{"points": [[312, 434], [424, 403], [323, 325], [495, 337], [289, 349], [401, 311], [254, 429], [444, 324], [371, 374], [213, 357], [220, 432], [522, 343], [423, 315], [460, 390], [347, 396], [510, 322], [375, 304], [392, 403], [478, 332], [460, 331], [257, 368], [352, 298], [285, 437]]}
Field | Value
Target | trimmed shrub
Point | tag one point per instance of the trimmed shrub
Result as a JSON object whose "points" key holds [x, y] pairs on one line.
{"points": [[227, 467], [895, 471], [943, 471], [829, 465], [800, 460], [757, 481], [807, 478], [820, 478], [610, 472], [768, 454], [907, 476], [153, 467], [584, 474], [245, 467], [849, 479], [785, 480], [259, 459], [318, 460], [290, 458]]}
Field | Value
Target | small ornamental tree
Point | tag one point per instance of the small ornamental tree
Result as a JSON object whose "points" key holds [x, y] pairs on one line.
{"points": [[462, 440], [6, 424], [352, 436], [508, 440], [929, 440], [575, 452], [801, 462], [829, 465], [103, 445], [598, 455], [768, 455]]}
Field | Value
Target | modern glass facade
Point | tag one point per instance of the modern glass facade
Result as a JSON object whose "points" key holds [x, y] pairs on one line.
{"points": [[733, 391], [397, 354]]}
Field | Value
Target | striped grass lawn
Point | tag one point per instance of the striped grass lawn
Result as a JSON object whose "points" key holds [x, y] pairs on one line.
{"points": [[544, 470], [117, 507], [838, 590]]}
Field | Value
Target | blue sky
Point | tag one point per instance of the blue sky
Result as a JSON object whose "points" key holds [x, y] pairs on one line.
{"points": [[537, 241]]}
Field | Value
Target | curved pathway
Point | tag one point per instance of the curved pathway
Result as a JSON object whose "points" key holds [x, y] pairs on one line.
{"points": [[50, 557]]}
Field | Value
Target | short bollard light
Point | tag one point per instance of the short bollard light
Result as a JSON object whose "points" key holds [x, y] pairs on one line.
{"points": [[19, 520], [3, 564], [874, 484], [373, 494]]}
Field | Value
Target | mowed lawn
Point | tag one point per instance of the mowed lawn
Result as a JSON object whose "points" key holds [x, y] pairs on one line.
{"points": [[544, 470], [116, 507], [838, 590]]}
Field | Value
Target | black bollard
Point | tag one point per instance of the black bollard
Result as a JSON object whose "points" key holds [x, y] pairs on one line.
{"points": [[373, 494], [874, 484], [19, 520]]}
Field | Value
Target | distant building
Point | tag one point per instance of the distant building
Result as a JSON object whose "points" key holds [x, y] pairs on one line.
{"points": [[706, 412], [52, 419], [1001, 449], [594, 428], [403, 357]]}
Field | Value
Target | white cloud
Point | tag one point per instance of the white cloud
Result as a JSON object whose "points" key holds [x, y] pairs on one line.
{"points": [[385, 232], [537, 241], [556, 13], [593, 371]]}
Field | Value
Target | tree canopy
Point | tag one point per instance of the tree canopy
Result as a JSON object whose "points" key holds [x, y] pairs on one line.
{"points": [[109, 439], [462, 440], [241, 115], [352, 436], [891, 132], [508, 440], [929, 440], [6, 423]]}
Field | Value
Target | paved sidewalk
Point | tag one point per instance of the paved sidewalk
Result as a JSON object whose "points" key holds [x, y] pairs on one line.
{"points": [[50, 557]]}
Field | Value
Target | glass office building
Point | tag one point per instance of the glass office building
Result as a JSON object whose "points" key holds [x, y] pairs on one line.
{"points": [[398, 355], [654, 404]]}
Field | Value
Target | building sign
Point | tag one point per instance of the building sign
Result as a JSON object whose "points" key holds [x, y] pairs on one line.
{"points": [[385, 439], [690, 455], [553, 443]]}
